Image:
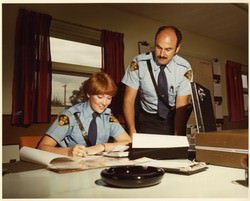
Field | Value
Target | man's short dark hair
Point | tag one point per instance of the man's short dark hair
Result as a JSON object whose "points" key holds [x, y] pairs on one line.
{"points": [[176, 30]]}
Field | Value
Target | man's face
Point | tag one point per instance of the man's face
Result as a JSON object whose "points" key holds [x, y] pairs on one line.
{"points": [[165, 46]]}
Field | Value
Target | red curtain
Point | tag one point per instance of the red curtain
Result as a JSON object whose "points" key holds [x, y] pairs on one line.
{"points": [[31, 92], [235, 97], [113, 64], [113, 54]]}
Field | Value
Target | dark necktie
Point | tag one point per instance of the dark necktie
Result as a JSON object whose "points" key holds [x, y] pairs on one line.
{"points": [[163, 89], [93, 129]]}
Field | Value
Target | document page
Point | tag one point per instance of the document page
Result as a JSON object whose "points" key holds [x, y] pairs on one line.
{"points": [[144, 140], [41, 157], [164, 163], [174, 166]]}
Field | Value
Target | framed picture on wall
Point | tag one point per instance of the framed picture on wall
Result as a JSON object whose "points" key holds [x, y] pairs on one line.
{"points": [[143, 47]]}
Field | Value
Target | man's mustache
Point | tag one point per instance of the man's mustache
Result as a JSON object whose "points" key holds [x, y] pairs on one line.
{"points": [[159, 57]]}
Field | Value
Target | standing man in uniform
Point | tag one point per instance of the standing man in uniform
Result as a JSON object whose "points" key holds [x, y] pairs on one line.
{"points": [[158, 108]]}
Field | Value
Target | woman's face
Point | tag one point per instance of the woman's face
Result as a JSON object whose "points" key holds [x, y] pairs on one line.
{"points": [[99, 102]]}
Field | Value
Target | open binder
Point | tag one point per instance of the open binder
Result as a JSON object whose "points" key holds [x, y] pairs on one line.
{"points": [[158, 146], [203, 108]]}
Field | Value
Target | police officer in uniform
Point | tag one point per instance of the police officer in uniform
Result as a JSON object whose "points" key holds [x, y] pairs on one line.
{"points": [[70, 134], [138, 78]]}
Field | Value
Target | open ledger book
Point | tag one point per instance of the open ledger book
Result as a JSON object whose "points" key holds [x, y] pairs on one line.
{"points": [[60, 162]]}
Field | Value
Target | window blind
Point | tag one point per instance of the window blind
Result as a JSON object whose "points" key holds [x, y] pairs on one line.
{"points": [[75, 32]]}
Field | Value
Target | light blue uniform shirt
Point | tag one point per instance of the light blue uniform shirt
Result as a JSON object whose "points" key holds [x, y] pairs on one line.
{"points": [[137, 76], [67, 132]]}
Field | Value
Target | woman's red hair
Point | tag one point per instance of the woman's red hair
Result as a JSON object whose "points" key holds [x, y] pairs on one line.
{"points": [[99, 83]]}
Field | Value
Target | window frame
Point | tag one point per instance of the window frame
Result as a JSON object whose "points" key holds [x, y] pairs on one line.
{"points": [[73, 69], [77, 33]]}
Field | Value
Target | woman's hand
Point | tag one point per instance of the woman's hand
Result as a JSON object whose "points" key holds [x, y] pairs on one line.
{"points": [[96, 149], [78, 151], [82, 151]]}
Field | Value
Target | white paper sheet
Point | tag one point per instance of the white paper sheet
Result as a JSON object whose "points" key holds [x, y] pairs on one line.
{"points": [[41, 157], [216, 68], [145, 140], [165, 163], [218, 111], [217, 90]]}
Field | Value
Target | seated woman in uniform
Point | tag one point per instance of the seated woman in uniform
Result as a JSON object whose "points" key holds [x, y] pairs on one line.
{"points": [[71, 133]]}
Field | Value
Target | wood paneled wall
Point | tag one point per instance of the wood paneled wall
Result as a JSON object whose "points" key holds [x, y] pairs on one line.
{"points": [[228, 125], [11, 134]]}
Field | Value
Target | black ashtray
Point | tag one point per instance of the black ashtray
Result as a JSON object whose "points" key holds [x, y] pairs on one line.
{"points": [[132, 176]]}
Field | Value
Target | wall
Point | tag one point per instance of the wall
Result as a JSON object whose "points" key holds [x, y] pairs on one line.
{"points": [[102, 16]]}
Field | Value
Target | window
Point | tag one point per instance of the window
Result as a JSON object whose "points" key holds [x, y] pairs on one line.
{"points": [[244, 81], [75, 56], [76, 53], [64, 86]]}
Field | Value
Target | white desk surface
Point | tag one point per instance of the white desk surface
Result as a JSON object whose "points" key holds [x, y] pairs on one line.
{"points": [[215, 182]]}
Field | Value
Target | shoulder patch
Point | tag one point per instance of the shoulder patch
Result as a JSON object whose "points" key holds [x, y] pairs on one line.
{"points": [[63, 120], [113, 119], [189, 75], [134, 66]]}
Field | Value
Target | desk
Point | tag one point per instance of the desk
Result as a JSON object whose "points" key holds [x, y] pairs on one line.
{"points": [[215, 182]]}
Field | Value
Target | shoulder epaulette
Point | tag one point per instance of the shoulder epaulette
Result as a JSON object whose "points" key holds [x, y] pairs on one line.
{"points": [[144, 56], [134, 66], [189, 75], [181, 62], [113, 119]]}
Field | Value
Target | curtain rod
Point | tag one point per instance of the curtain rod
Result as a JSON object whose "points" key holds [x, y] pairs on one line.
{"points": [[76, 24]]}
